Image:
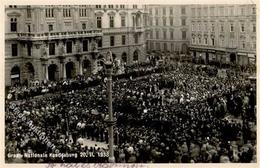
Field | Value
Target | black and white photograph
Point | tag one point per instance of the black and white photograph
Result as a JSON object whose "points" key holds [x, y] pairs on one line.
{"points": [[130, 83]]}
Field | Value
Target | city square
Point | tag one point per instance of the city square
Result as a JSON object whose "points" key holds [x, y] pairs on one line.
{"points": [[130, 83]]}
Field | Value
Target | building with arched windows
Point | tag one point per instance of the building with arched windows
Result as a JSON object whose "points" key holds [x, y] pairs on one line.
{"points": [[53, 42]]}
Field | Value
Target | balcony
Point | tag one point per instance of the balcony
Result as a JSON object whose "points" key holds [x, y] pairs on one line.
{"points": [[123, 30], [138, 29], [116, 30], [58, 35]]}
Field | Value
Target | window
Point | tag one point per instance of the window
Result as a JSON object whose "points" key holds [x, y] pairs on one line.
{"points": [[99, 43], [206, 41], [122, 6], [151, 11], [69, 47], [165, 34], [171, 11], [157, 34], [183, 35], [242, 27], [82, 12], [122, 21], [50, 27], [29, 12], [29, 28], [193, 40], [136, 38], [66, 12], [49, 12], [112, 40], [206, 27], [135, 57], [14, 50], [51, 48], [212, 11], [231, 27], [254, 28], [85, 45], [242, 11], [254, 45], [164, 11], [158, 46], [183, 22], [213, 41], [13, 25], [183, 11], [111, 21], [171, 21], [222, 42], [151, 46], [243, 45], [199, 40], [29, 49], [99, 22], [205, 11], [151, 34], [98, 6], [83, 26], [171, 34], [164, 21], [110, 6], [231, 11], [172, 46], [221, 11], [135, 6], [123, 39], [212, 27], [199, 12], [253, 11], [151, 21], [165, 47], [156, 21], [193, 12], [222, 28], [192, 27], [199, 27], [156, 12]]}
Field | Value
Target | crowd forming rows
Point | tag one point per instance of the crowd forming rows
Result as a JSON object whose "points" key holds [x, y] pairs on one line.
{"points": [[179, 116]]}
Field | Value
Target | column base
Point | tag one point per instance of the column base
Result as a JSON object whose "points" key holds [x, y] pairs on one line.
{"points": [[111, 159]]}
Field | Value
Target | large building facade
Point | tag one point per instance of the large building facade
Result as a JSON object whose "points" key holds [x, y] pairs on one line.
{"points": [[59, 42], [223, 33], [169, 28]]}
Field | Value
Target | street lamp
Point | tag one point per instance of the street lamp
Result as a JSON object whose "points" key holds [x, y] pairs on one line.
{"points": [[110, 121]]}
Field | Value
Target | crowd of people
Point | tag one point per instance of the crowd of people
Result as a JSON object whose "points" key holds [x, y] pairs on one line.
{"points": [[187, 114]]}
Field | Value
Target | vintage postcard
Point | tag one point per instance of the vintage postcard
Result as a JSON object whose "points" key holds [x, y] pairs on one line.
{"points": [[129, 84]]}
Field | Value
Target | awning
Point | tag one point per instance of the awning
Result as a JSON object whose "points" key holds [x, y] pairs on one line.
{"points": [[251, 56], [243, 54], [203, 50], [15, 76]]}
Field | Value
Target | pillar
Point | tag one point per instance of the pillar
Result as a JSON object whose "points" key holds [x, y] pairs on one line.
{"points": [[64, 71], [80, 66], [46, 72]]}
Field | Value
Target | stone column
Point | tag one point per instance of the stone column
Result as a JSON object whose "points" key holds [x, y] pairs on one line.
{"points": [[64, 70], [80, 67], [45, 67]]}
